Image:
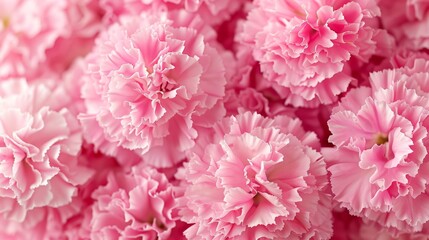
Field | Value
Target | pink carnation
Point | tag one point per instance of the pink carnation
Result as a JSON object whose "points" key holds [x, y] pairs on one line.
{"points": [[353, 228], [213, 12], [257, 178], [304, 47], [40, 36], [43, 223], [83, 24], [405, 58], [134, 205], [27, 29], [248, 98], [408, 21], [78, 226], [246, 89], [379, 163], [71, 221], [71, 81], [39, 143], [150, 85]]}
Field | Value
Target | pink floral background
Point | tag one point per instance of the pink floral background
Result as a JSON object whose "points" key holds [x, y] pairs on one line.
{"points": [[214, 119]]}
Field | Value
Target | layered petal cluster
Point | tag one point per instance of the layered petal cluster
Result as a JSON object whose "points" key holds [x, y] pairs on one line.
{"points": [[248, 90], [71, 221], [44, 223], [353, 228], [213, 12], [27, 30], [38, 36], [84, 22], [303, 47], [257, 178], [379, 164], [78, 225], [72, 81], [39, 144], [134, 205], [407, 20], [150, 85]]}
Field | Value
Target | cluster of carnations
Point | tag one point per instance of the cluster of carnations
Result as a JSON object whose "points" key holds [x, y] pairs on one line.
{"points": [[214, 119]]}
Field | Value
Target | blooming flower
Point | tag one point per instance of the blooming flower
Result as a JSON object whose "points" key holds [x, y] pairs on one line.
{"points": [[39, 143], [151, 83], [71, 221], [379, 162], [303, 47], [407, 20], [134, 205], [257, 178], [44, 223], [27, 30], [36, 37]]}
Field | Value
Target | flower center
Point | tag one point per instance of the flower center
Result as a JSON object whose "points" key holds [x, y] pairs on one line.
{"points": [[166, 87], [257, 199], [381, 139], [5, 22]]}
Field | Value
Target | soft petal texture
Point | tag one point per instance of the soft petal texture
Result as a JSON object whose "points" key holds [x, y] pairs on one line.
{"points": [[246, 88], [71, 221], [407, 20], [304, 47], [138, 204], [379, 163], [353, 228], [47, 36], [39, 144], [257, 178], [45, 223], [205, 119], [150, 85], [213, 12]]}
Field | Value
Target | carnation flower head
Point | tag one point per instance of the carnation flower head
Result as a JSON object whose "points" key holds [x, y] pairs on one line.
{"points": [[71, 221], [39, 144], [303, 47], [379, 163], [137, 204], [36, 37], [27, 30], [43, 223], [407, 20], [257, 178], [150, 84]]}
